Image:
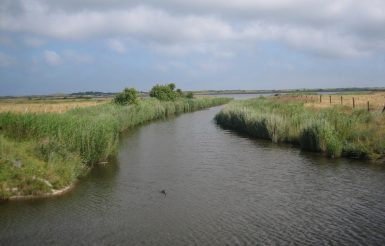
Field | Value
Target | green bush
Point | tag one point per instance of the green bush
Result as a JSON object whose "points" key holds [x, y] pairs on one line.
{"points": [[190, 95], [164, 92], [172, 86], [127, 96]]}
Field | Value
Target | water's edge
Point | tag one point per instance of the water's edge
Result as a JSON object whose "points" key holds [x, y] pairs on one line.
{"points": [[70, 187], [222, 189]]}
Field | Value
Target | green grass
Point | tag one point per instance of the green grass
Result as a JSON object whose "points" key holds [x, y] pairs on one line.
{"points": [[58, 148], [34, 168], [336, 131]]}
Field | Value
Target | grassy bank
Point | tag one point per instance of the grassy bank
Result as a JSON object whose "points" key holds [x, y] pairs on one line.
{"points": [[42, 152], [336, 131]]}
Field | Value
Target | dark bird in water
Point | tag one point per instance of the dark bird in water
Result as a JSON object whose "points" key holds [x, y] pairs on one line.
{"points": [[163, 192]]}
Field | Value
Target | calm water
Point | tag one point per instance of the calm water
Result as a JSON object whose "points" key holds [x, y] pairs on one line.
{"points": [[222, 189]]}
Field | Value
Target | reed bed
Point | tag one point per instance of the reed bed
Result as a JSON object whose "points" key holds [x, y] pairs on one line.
{"points": [[336, 131], [41, 152]]}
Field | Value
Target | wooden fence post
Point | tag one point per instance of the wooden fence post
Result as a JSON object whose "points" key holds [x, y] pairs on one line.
{"points": [[354, 103], [368, 107], [330, 99], [341, 100]]}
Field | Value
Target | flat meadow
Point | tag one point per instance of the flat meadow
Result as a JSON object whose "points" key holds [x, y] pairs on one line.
{"points": [[372, 101]]}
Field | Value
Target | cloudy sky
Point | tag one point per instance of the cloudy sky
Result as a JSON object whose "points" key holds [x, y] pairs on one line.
{"points": [[49, 46]]}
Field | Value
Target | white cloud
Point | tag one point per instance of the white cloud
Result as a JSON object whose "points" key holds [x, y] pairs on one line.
{"points": [[345, 28], [116, 46], [331, 43], [52, 58]]}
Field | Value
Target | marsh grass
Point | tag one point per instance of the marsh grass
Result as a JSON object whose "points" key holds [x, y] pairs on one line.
{"points": [[59, 148], [35, 168], [336, 131]]}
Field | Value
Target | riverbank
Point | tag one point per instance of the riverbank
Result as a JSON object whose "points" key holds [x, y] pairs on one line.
{"points": [[41, 153], [335, 131]]}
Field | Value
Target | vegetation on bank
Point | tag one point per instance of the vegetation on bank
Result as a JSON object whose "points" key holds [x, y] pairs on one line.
{"points": [[43, 152], [127, 96], [336, 131], [168, 93]]}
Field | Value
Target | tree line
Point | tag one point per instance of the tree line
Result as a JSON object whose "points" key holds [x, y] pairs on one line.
{"points": [[167, 92]]}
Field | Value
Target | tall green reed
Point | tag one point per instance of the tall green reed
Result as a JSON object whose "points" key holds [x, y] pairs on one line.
{"points": [[335, 131]]}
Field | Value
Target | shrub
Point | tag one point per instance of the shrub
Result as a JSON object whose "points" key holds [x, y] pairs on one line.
{"points": [[172, 86], [179, 92], [127, 96], [164, 92], [190, 95]]}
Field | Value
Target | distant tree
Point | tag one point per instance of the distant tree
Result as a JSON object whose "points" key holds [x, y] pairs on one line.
{"points": [[179, 92], [172, 86], [127, 96], [190, 95], [164, 92]]}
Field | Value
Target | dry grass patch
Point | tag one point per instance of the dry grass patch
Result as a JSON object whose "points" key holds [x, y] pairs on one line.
{"points": [[376, 100], [46, 106]]}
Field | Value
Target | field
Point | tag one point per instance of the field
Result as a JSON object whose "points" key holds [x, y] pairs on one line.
{"points": [[334, 129], [24, 105], [358, 100], [42, 153]]}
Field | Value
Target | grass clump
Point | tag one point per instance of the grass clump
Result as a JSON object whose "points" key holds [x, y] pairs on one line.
{"points": [[336, 131], [319, 137], [30, 168]]}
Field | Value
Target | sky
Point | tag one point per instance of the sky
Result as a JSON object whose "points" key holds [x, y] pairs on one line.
{"points": [[64, 46]]}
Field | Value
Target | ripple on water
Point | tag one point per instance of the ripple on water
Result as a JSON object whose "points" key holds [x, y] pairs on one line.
{"points": [[222, 189]]}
